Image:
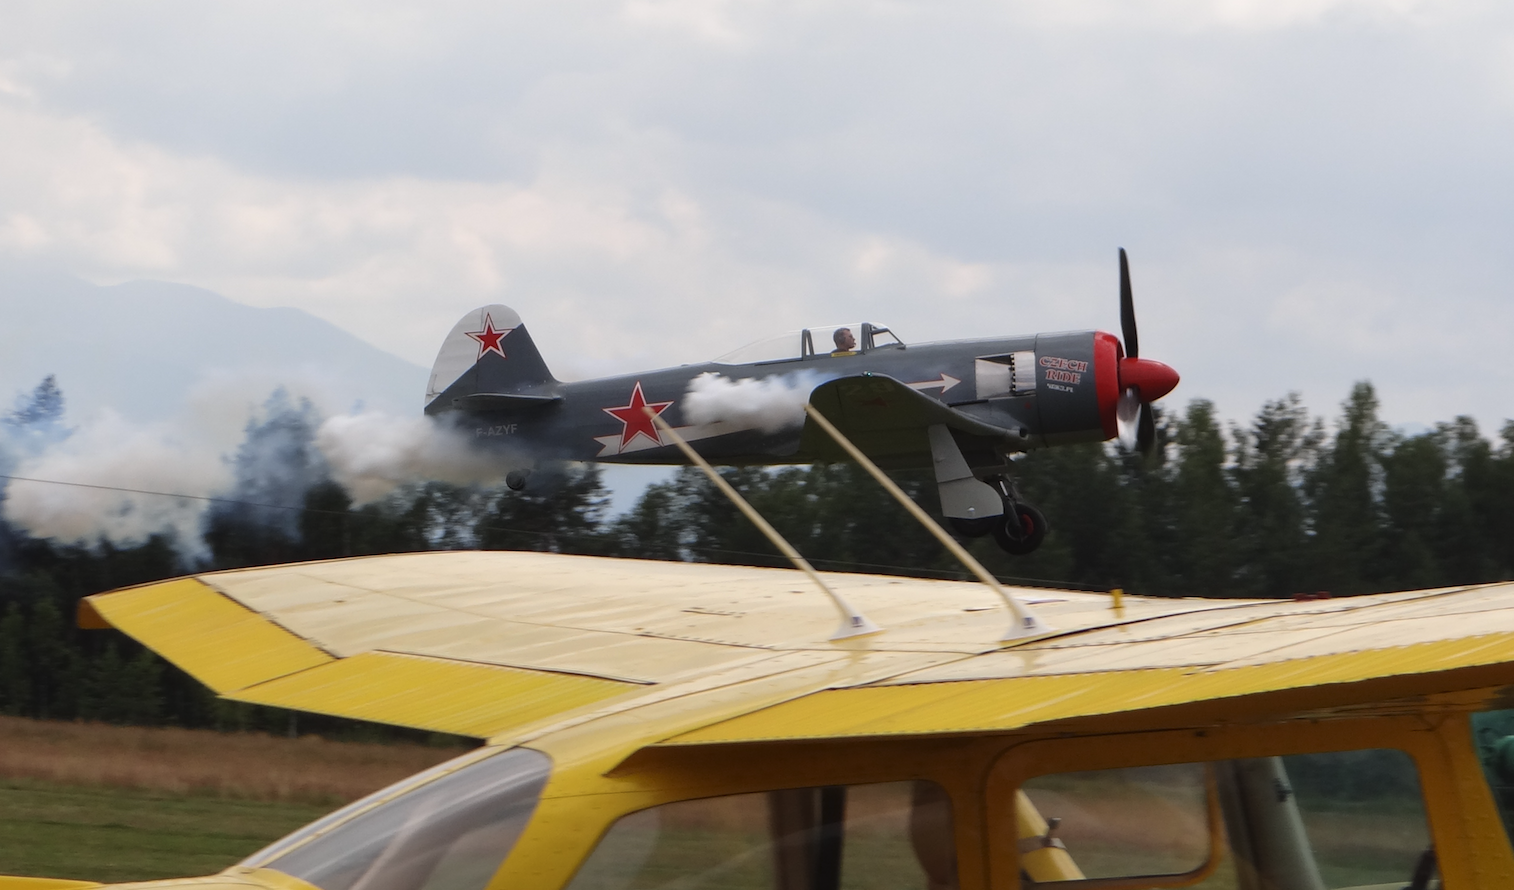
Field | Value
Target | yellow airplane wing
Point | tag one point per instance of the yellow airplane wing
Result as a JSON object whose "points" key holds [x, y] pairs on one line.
{"points": [[1263, 657], [513, 646]]}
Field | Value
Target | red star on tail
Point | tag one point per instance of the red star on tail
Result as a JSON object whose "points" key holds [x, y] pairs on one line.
{"points": [[488, 339], [634, 416]]}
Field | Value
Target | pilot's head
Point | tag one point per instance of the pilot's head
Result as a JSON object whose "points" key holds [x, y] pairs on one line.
{"points": [[845, 342]]}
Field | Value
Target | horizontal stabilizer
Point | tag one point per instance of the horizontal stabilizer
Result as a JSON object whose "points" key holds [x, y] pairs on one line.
{"points": [[504, 401]]}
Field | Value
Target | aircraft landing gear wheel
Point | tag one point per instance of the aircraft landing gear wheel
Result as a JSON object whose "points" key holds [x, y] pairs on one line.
{"points": [[1022, 540], [975, 528]]}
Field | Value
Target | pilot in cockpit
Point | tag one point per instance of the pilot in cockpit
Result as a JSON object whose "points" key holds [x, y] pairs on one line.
{"points": [[846, 344]]}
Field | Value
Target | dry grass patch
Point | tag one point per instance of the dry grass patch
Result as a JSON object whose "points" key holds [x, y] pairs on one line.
{"points": [[249, 766]]}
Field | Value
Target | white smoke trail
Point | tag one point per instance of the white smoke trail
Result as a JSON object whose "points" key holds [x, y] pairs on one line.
{"points": [[110, 452], [770, 404], [372, 453], [187, 456]]}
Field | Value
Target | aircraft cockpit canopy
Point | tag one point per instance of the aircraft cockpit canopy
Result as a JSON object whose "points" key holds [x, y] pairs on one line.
{"points": [[816, 342]]}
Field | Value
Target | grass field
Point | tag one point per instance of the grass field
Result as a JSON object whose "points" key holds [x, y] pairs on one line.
{"points": [[112, 834], [107, 803]]}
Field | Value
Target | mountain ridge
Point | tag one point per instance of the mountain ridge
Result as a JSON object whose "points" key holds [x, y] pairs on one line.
{"points": [[94, 340]]}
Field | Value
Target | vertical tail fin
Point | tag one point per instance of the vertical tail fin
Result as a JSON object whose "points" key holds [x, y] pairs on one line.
{"points": [[487, 353]]}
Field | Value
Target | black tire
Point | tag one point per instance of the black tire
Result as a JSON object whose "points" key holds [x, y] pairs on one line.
{"points": [[1033, 531], [974, 528]]}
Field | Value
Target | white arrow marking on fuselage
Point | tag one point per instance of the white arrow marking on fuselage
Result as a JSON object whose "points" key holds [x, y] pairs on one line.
{"points": [[610, 445], [946, 382]]}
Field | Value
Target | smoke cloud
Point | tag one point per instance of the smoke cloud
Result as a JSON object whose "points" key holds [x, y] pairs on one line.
{"points": [[233, 461], [110, 452], [373, 453], [275, 466], [770, 404]]}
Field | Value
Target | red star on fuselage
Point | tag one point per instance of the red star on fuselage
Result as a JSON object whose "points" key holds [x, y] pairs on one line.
{"points": [[488, 339], [634, 416]]}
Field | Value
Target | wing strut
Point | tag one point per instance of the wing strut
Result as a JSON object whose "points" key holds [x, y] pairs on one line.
{"points": [[1026, 624], [853, 622]]}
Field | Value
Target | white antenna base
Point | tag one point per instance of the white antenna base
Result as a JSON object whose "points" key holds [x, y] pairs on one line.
{"points": [[856, 625], [1027, 626]]}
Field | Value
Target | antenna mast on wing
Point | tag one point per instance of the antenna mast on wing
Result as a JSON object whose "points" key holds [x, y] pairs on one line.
{"points": [[1026, 624], [853, 622]]}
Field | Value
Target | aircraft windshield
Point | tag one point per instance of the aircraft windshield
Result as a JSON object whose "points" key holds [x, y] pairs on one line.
{"points": [[446, 829], [823, 340]]}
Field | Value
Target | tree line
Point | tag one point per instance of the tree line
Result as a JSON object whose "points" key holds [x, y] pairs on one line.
{"points": [[1286, 504]]}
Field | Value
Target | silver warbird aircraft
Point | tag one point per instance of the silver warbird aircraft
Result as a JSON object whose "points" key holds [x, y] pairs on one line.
{"points": [[962, 407]]}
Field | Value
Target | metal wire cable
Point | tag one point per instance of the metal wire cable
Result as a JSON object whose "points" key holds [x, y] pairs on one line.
{"points": [[916, 571]]}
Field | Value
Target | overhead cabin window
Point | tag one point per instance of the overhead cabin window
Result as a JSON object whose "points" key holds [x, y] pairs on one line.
{"points": [[446, 829], [1307, 822], [855, 837]]}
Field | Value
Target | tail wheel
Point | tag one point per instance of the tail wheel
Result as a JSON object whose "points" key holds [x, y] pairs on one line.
{"points": [[1027, 537]]}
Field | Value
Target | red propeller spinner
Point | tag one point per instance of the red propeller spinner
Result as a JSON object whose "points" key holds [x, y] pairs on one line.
{"points": [[1149, 378]]}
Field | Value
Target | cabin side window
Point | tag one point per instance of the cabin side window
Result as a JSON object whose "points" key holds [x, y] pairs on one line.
{"points": [[892, 836], [1311, 822], [1493, 732]]}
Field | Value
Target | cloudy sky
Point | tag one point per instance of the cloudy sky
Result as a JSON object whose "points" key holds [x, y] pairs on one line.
{"points": [[1312, 191]]}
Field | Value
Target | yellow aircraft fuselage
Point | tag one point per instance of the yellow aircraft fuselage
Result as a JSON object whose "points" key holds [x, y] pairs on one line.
{"points": [[697, 729]]}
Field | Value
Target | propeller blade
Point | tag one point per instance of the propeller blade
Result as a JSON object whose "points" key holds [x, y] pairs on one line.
{"points": [[1127, 413], [1146, 430], [1127, 310]]}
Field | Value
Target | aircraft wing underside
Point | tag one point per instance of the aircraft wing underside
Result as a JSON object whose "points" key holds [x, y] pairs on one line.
{"points": [[884, 417]]}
